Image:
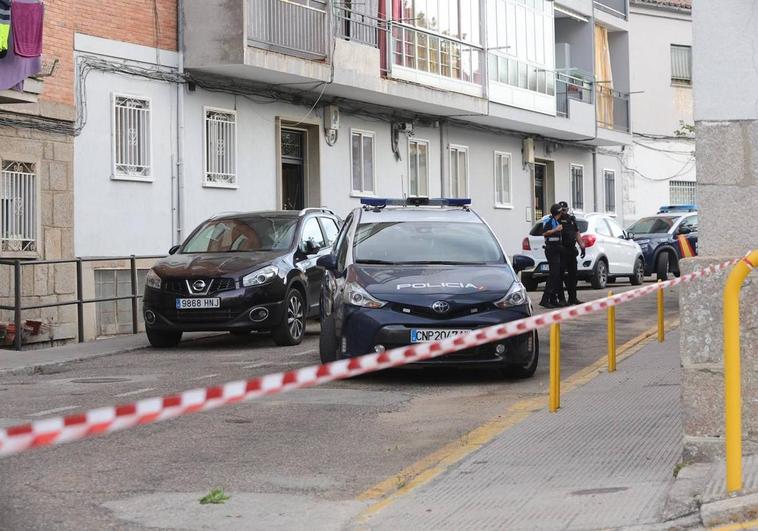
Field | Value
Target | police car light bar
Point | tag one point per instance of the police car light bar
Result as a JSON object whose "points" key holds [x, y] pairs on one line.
{"points": [[666, 209], [378, 202]]}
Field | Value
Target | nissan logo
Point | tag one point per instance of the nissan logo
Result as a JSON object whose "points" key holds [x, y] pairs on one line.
{"points": [[441, 307], [198, 285]]}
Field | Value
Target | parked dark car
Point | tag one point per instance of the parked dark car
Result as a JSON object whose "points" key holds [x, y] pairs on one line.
{"points": [[427, 270], [239, 273], [664, 239]]}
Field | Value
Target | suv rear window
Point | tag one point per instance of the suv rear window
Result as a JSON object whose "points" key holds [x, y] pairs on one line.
{"points": [[537, 229]]}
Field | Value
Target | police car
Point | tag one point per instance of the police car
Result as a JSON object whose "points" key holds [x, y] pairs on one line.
{"points": [[410, 271]]}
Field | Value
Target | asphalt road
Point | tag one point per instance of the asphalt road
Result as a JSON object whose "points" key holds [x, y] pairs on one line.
{"points": [[295, 461]]}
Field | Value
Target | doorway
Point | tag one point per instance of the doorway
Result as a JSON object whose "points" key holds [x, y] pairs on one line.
{"points": [[293, 149], [544, 187]]}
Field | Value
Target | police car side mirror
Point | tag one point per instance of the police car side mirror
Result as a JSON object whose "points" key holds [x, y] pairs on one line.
{"points": [[174, 249], [684, 230], [521, 262], [328, 262]]}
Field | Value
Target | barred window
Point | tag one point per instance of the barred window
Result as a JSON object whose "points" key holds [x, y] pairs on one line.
{"points": [[577, 187], [220, 148], [681, 64], [609, 176], [362, 158], [18, 207], [503, 179], [682, 192], [131, 138]]}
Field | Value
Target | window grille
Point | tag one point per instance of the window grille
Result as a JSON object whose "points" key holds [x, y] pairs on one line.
{"points": [[18, 207], [503, 179], [610, 191], [577, 187], [131, 137], [220, 147], [682, 192]]}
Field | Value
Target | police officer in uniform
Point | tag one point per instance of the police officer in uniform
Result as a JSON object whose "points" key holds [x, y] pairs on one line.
{"points": [[570, 238], [552, 230]]}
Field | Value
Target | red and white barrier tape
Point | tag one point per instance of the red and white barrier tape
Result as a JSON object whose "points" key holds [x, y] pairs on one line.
{"points": [[105, 420]]}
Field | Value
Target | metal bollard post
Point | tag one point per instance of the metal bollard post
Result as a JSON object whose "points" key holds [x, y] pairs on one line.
{"points": [[732, 373], [611, 336], [17, 304], [135, 308], [79, 301], [661, 329], [555, 367]]}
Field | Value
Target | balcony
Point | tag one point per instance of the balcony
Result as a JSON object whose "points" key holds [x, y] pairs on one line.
{"points": [[612, 109], [297, 28], [614, 7], [359, 27], [570, 88]]}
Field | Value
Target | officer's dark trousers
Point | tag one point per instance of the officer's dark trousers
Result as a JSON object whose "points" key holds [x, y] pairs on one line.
{"points": [[554, 286], [568, 263]]}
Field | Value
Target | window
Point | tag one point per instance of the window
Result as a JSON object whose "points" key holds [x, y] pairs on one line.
{"points": [[312, 233], [609, 176], [689, 223], [418, 160], [458, 171], [18, 207], [253, 233], [220, 148], [330, 229], [682, 192], [577, 187], [681, 64], [602, 228], [503, 179], [341, 246], [362, 161], [131, 138], [616, 231]]}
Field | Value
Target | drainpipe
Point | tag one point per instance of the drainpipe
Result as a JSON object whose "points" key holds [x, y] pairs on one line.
{"points": [[180, 127], [594, 178]]}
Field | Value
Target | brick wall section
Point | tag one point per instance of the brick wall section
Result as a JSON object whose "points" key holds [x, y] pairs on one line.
{"points": [[131, 21]]}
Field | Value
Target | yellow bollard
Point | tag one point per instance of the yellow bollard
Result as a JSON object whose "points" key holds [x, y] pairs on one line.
{"points": [[732, 374], [555, 367], [661, 330], [611, 336]]}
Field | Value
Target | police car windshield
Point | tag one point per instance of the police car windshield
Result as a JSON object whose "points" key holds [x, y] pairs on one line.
{"points": [[240, 235], [654, 225], [424, 242]]}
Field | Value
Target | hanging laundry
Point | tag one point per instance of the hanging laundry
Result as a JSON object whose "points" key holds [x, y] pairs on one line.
{"points": [[5, 26], [15, 69], [26, 28]]}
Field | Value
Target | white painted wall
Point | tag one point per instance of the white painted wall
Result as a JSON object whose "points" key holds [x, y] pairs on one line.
{"points": [[657, 109]]}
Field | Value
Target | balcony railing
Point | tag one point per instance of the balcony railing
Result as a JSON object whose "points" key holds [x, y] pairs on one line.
{"points": [[612, 109], [426, 51], [359, 27], [569, 87], [298, 28], [614, 7]]}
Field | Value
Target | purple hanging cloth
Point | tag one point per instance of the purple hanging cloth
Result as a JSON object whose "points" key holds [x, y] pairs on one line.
{"points": [[14, 69], [26, 25]]}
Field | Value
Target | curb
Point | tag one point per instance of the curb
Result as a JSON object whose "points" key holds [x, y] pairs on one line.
{"points": [[735, 510]]}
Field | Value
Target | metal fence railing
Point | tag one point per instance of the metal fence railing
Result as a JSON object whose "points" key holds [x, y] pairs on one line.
{"points": [[569, 87], [612, 109], [354, 26], [300, 28], [18, 308]]}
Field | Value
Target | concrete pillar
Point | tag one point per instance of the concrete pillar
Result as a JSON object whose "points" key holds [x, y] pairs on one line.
{"points": [[726, 119]]}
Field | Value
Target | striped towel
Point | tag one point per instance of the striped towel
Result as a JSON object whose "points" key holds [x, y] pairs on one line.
{"points": [[5, 25]]}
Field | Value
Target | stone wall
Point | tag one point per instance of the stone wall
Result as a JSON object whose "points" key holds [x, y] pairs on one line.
{"points": [[52, 155]]}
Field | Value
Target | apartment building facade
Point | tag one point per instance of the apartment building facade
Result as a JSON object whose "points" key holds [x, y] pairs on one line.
{"points": [[659, 167]]}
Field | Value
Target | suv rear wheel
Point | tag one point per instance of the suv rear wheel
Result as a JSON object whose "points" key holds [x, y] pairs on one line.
{"points": [[166, 339], [600, 276], [291, 329]]}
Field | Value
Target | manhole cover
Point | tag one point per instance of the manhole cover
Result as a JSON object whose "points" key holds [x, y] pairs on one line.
{"points": [[99, 380]]}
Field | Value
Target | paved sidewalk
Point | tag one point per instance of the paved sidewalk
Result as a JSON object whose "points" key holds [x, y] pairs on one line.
{"points": [[27, 361], [605, 460]]}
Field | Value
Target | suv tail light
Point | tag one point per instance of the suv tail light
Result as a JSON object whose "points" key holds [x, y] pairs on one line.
{"points": [[589, 240], [525, 245]]}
